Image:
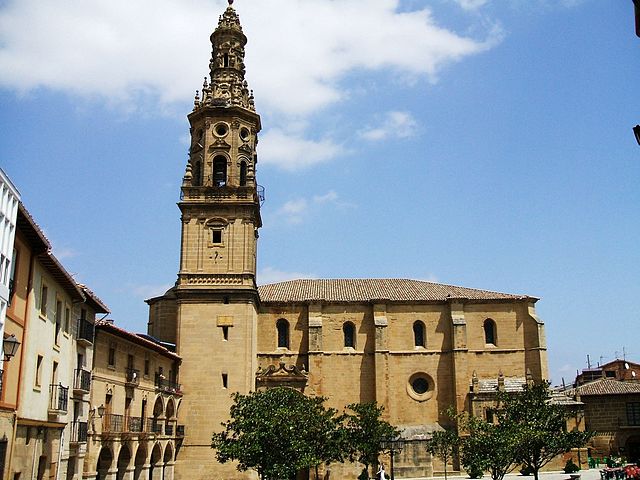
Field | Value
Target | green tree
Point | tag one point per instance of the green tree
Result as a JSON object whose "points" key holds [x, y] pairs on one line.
{"points": [[443, 444], [277, 432], [365, 430], [539, 425], [488, 446]]}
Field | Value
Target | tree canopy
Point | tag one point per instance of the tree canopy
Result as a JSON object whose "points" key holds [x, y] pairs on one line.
{"points": [[277, 432]]}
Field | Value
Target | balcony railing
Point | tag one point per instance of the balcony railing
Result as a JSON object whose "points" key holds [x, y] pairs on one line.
{"points": [[166, 385], [179, 430], [58, 399], [156, 425], [85, 331], [133, 424], [82, 380], [168, 429], [78, 432], [133, 376], [112, 423]]}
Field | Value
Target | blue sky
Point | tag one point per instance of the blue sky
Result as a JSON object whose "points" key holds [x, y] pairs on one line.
{"points": [[481, 143]]}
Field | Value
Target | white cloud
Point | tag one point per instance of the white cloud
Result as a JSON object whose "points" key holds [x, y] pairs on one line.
{"points": [[393, 125], [273, 275], [293, 152], [297, 53], [294, 210], [152, 55], [471, 4], [330, 196]]}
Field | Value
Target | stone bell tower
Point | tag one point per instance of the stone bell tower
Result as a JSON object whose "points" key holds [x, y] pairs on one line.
{"points": [[216, 294]]}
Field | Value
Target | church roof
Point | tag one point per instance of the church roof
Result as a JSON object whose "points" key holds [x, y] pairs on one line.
{"points": [[608, 386], [374, 289]]}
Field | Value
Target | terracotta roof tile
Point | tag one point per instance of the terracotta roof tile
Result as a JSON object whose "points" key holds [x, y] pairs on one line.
{"points": [[377, 289], [608, 386]]}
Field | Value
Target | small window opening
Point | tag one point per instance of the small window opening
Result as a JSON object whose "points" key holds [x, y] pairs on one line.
{"points": [[283, 333], [243, 174], [216, 235], [146, 366], [348, 330], [39, 370], [225, 380], [225, 60], [489, 415], [220, 171], [225, 333], [225, 300], [418, 334], [489, 332], [112, 356]]}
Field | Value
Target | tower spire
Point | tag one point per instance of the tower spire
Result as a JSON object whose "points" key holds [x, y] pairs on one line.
{"points": [[226, 69]]}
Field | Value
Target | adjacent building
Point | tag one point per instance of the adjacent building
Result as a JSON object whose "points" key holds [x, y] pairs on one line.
{"points": [[133, 422], [9, 200], [52, 317]]}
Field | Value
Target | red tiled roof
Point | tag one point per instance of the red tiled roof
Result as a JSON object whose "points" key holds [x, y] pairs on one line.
{"points": [[108, 326], [379, 289], [608, 386]]}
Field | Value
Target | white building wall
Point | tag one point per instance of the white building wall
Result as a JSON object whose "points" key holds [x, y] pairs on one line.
{"points": [[9, 198]]}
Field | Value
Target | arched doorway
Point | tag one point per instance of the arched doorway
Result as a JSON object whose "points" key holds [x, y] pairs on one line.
{"points": [[155, 470], [168, 462], [105, 459], [139, 463], [124, 458], [158, 415]]}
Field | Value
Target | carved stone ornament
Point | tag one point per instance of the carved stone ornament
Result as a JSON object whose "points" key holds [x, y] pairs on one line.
{"points": [[245, 147], [219, 143], [283, 375]]}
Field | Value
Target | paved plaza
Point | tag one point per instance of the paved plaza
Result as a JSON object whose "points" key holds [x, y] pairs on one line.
{"points": [[591, 474]]}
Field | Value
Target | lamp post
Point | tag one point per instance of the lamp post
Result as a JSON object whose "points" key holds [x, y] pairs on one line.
{"points": [[10, 346], [393, 446]]}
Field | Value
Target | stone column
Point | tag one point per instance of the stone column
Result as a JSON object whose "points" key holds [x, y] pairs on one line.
{"points": [[381, 355], [112, 474], [168, 470], [459, 350], [315, 346]]}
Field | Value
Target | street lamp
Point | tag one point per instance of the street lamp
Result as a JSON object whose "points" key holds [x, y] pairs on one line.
{"points": [[636, 133], [10, 347], [393, 446]]}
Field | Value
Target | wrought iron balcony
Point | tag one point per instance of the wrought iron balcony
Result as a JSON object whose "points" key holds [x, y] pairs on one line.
{"points": [[112, 423], [133, 424], [78, 432], [155, 425], [58, 399], [85, 332], [168, 429], [133, 377], [166, 385], [179, 430], [82, 381]]}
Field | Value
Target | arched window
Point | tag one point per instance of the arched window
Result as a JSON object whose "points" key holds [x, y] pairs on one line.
{"points": [[196, 175], [418, 334], [490, 332], [243, 173], [283, 333], [219, 171], [349, 331]]}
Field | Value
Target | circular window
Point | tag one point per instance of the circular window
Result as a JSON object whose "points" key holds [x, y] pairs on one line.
{"points": [[420, 387], [244, 133], [221, 129]]}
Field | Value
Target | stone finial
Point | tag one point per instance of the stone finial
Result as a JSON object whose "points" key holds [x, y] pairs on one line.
{"points": [[501, 381], [188, 175]]}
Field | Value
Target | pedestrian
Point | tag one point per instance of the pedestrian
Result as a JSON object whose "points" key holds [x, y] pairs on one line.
{"points": [[381, 473]]}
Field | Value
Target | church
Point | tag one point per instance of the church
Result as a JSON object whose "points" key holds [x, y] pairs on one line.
{"points": [[414, 347]]}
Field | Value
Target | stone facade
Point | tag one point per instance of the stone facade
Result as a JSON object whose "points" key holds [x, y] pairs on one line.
{"points": [[414, 347], [133, 430], [612, 410]]}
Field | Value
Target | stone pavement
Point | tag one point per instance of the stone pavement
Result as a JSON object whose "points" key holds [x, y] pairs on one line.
{"points": [[590, 474]]}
